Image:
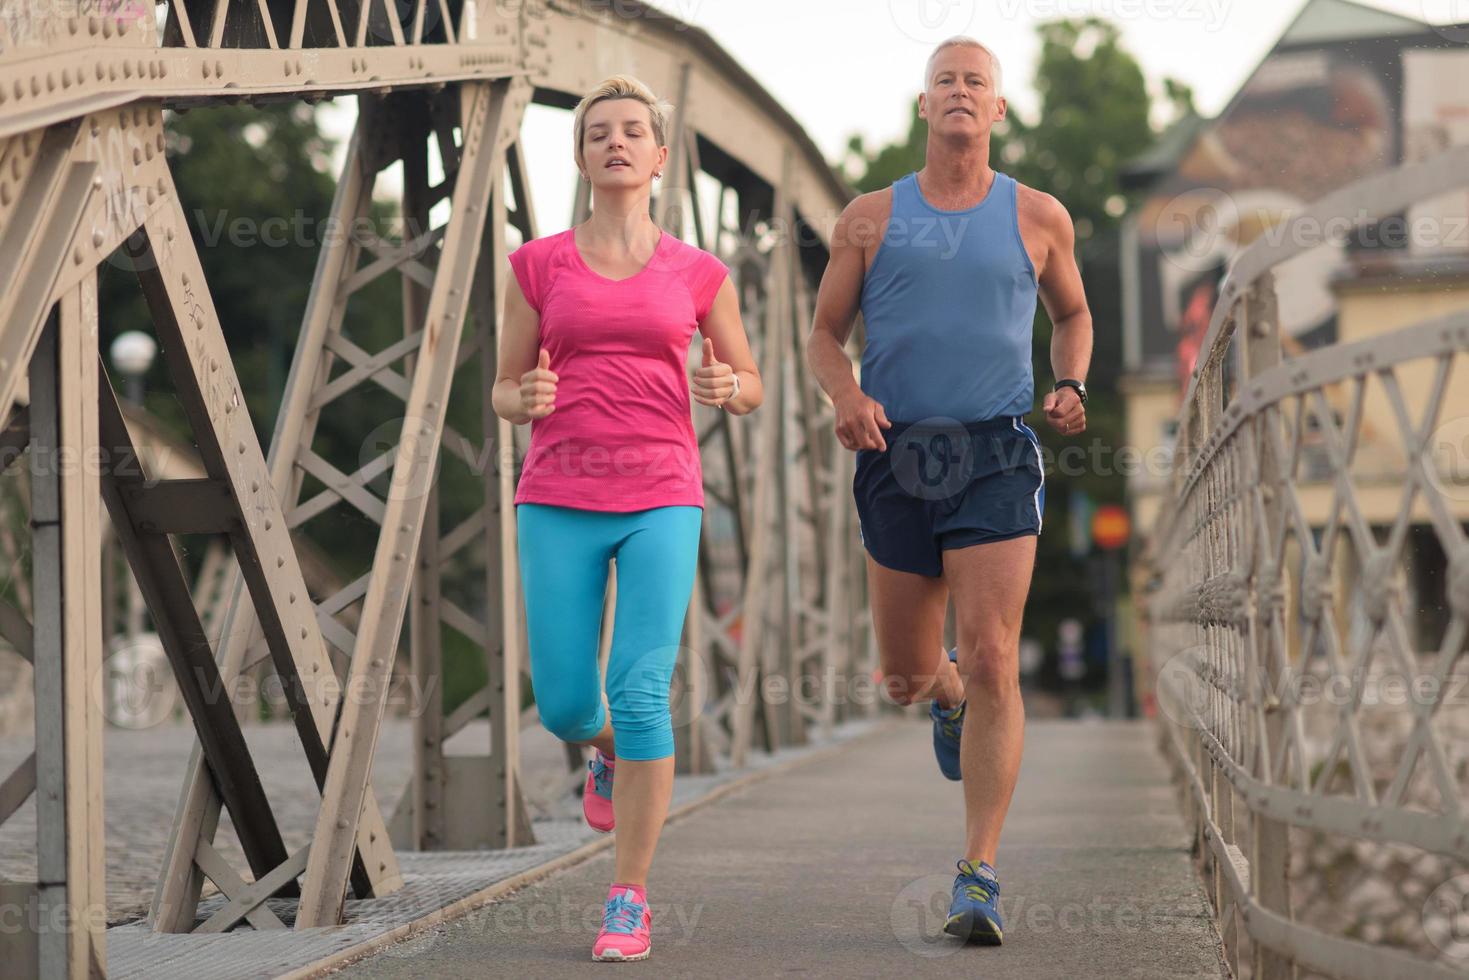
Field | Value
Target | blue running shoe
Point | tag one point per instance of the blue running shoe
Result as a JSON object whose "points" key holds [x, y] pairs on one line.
{"points": [[947, 727], [974, 914]]}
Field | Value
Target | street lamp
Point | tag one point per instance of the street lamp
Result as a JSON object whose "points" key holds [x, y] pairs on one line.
{"points": [[132, 355]]}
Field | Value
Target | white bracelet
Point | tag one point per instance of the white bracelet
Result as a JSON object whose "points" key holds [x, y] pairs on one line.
{"points": [[734, 394]]}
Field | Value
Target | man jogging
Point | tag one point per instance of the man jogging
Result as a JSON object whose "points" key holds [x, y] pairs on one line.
{"points": [[944, 267]]}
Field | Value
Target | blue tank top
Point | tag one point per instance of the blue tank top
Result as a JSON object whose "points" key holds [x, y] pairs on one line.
{"points": [[948, 306]]}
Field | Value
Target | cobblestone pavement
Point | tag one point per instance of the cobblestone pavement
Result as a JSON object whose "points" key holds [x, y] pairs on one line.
{"points": [[144, 771]]}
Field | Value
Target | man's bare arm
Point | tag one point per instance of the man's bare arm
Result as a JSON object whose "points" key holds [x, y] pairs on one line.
{"points": [[1064, 296], [859, 418]]}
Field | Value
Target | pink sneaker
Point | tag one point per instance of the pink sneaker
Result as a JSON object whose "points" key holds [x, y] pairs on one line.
{"points": [[596, 796], [626, 926]]}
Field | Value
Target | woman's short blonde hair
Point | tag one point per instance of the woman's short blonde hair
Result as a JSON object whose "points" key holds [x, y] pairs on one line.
{"points": [[620, 87]]}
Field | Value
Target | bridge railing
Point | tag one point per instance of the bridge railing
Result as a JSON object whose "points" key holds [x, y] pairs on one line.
{"points": [[1277, 624]]}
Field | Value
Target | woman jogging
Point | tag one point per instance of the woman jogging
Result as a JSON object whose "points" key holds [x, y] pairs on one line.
{"points": [[599, 321]]}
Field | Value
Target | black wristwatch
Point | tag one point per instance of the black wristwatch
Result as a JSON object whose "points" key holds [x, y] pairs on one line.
{"points": [[1080, 387]]}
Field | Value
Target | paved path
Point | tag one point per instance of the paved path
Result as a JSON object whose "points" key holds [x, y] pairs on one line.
{"points": [[841, 867]]}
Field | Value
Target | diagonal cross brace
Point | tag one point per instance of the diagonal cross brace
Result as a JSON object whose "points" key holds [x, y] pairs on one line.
{"points": [[166, 591], [199, 361], [492, 119]]}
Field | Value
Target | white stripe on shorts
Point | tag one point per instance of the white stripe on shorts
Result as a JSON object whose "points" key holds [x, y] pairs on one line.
{"points": [[1036, 445]]}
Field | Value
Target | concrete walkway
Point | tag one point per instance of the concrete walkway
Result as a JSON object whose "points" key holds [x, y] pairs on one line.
{"points": [[842, 867]]}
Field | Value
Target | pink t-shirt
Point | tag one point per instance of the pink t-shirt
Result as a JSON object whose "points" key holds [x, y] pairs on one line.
{"points": [[621, 437]]}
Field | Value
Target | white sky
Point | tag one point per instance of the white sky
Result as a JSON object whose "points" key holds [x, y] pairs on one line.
{"points": [[845, 66]]}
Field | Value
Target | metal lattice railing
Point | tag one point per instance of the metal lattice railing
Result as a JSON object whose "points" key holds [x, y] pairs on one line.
{"points": [[1276, 628]]}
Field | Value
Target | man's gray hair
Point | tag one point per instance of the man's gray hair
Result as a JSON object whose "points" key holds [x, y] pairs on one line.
{"points": [[963, 41]]}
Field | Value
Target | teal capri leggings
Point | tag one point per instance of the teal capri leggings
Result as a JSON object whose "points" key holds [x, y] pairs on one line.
{"points": [[563, 565]]}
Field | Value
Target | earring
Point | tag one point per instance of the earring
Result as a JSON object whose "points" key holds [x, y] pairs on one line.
{"points": [[658, 175]]}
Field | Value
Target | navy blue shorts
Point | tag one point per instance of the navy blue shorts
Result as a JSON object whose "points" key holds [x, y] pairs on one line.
{"points": [[944, 484]]}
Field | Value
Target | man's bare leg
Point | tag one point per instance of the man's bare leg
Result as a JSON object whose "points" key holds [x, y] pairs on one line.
{"points": [[990, 583], [908, 621]]}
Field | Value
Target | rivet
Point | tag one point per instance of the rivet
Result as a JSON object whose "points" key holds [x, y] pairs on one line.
{"points": [[97, 238]]}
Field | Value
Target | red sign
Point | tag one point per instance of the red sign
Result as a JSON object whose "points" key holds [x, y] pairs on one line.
{"points": [[1110, 527]]}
